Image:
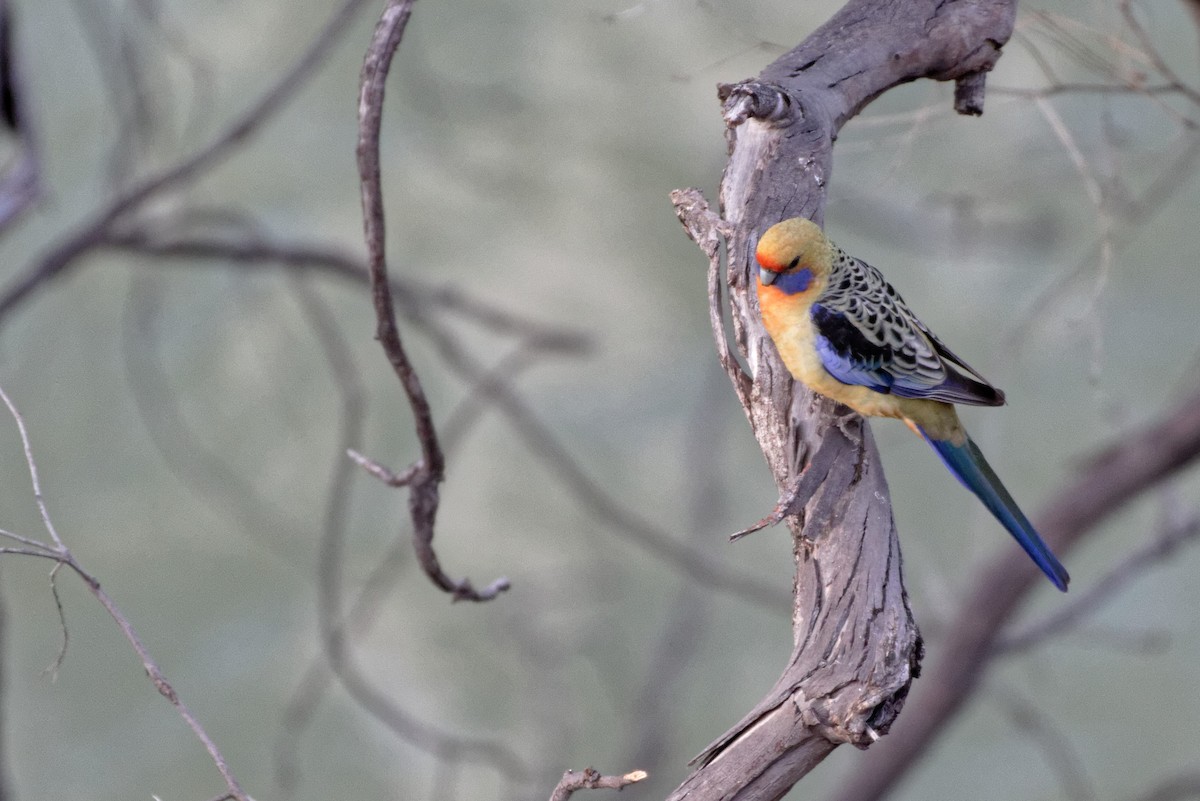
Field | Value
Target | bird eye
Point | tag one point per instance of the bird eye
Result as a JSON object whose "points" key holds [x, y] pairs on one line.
{"points": [[792, 264]]}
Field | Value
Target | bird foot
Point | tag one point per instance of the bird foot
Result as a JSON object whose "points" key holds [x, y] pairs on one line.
{"points": [[850, 424]]}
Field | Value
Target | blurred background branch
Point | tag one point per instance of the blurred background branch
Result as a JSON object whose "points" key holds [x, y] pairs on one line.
{"points": [[185, 315]]}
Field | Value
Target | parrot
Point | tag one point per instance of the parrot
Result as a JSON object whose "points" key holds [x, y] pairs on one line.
{"points": [[843, 331]]}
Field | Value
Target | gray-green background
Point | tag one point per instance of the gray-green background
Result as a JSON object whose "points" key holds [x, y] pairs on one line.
{"points": [[529, 148]]}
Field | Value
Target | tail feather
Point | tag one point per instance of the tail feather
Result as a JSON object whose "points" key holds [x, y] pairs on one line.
{"points": [[967, 464]]}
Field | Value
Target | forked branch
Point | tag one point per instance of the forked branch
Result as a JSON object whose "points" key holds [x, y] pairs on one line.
{"points": [[856, 646]]}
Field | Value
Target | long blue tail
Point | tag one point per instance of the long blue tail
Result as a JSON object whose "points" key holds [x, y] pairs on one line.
{"points": [[968, 466]]}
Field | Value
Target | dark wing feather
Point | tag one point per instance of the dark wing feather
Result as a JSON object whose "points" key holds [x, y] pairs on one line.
{"points": [[867, 336]]}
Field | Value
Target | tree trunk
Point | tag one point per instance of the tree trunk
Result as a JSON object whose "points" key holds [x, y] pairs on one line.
{"points": [[856, 645]]}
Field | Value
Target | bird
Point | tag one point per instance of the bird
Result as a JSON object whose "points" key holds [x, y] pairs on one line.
{"points": [[842, 330]]}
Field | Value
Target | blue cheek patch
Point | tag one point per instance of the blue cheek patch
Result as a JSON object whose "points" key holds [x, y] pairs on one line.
{"points": [[794, 283]]}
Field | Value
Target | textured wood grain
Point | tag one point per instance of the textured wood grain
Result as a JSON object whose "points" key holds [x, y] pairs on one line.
{"points": [[856, 646]]}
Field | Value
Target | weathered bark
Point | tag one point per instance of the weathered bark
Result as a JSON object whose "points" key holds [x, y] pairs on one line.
{"points": [[856, 646], [1140, 460]]}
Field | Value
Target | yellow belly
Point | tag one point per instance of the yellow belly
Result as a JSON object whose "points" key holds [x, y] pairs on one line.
{"points": [[795, 339]]}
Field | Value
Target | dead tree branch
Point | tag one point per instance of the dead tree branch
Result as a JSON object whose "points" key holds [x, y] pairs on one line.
{"points": [[430, 470], [856, 644], [1113, 477], [591, 779], [58, 552]]}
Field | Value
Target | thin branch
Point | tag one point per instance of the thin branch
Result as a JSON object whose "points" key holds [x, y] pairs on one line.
{"points": [[63, 556], [32, 543], [385, 474], [60, 657], [423, 496], [384, 43], [27, 448], [706, 228], [51, 555], [590, 779], [160, 681]]}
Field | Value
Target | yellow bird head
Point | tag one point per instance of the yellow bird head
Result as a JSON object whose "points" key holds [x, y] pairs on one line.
{"points": [[794, 256]]}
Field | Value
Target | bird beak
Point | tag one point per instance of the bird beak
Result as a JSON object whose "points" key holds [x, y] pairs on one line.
{"points": [[767, 277]]}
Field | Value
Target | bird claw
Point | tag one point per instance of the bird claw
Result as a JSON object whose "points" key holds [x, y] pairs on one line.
{"points": [[850, 424]]}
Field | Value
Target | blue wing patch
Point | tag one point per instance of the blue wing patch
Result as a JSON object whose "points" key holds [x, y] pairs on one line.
{"points": [[845, 368], [852, 358], [848, 355]]}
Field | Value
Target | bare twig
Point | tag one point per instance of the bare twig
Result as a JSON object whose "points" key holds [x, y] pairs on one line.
{"points": [[64, 557], [423, 489], [797, 496], [384, 43], [590, 779], [52, 668], [383, 473], [708, 230]]}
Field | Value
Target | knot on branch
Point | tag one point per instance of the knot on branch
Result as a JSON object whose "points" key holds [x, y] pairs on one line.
{"points": [[755, 100], [968, 93], [859, 715]]}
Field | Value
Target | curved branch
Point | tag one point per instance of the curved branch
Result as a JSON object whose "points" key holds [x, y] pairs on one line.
{"points": [[856, 645], [430, 470]]}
